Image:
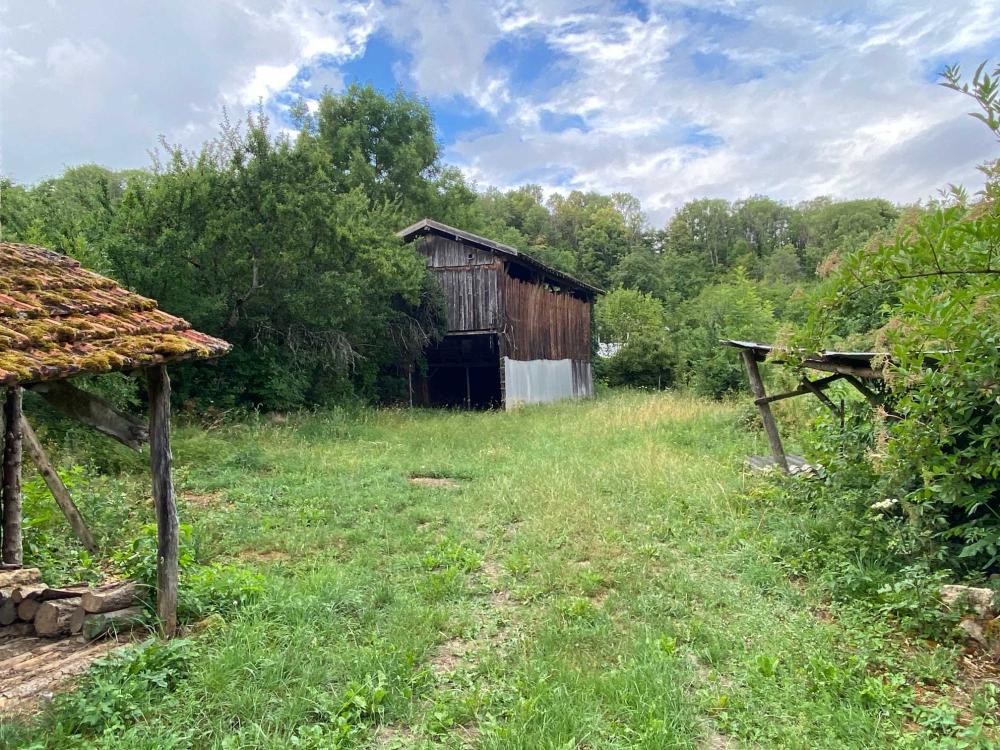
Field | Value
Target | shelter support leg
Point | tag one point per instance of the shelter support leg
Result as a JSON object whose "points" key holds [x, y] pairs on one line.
{"points": [[158, 384], [12, 552], [55, 484], [770, 426]]}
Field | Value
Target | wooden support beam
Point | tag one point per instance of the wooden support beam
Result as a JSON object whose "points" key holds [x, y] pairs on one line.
{"points": [[801, 390], [158, 383], [815, 390], [56, 486], [93, 411], [871, 397], [860, 371], [12, 552], [770, 426]]}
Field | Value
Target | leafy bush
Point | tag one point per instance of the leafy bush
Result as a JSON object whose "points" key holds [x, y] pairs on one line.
{"points": [[733, 309], [47, 546], [941, 458], [646, 360], [119, 690]]}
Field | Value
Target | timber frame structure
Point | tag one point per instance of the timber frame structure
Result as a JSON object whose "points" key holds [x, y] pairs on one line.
{"points": [[518, 331], [58, 321], [858, 369]]}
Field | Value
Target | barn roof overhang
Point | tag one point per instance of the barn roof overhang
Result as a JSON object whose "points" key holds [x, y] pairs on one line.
{"points": [[429, 226]]}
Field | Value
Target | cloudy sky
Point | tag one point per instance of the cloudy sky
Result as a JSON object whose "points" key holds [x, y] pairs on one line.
{"points": [[667, 100]]}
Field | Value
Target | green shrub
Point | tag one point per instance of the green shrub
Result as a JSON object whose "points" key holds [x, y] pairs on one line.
{"points": [[733, 309], [646, 360], [121, 689]]}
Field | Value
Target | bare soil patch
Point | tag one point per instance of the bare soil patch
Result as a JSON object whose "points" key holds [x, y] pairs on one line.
{"points": [[439, 482], [266, 556], [204, 499]]}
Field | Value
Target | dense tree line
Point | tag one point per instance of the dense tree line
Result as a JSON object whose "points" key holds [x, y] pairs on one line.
{"points": [[285, 246]]}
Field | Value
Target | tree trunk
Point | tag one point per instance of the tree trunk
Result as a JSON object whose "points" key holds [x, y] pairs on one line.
{"points": [[109, 600], [94, 412], [56, 487], [8, 612], [11, 547], [17, 629], [163, 496]]}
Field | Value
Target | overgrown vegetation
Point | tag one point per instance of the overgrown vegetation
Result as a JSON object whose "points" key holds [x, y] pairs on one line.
{"points": [[928, 460], [598, 574], [286, 248]]}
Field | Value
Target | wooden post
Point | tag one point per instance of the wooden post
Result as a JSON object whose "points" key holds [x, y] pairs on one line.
{"points": [[468, 390], [56, 486], [158, 384], [11, 547], [770, 426]]}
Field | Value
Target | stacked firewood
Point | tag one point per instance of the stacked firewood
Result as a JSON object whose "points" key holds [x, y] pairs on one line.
{"points": [[29, 607]]}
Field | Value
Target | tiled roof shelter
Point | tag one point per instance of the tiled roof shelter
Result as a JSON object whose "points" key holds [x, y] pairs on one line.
{"points": [[59, 320]]}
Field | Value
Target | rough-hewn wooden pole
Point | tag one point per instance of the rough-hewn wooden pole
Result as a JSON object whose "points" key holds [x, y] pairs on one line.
{"points": [[55, 484], [11, 547], [158, 383], [770, 426]]}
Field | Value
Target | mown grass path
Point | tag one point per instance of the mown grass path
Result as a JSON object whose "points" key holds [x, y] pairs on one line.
{"points": [[585, 575]]}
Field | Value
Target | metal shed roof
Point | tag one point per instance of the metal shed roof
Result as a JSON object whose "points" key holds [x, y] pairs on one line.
{"points": [[854, 363], [427, 226]]}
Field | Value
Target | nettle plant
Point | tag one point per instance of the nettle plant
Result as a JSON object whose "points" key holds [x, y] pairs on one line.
{"points": [[942, 269]]}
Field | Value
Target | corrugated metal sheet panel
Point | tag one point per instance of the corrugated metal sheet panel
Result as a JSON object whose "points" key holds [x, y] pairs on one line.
{"points": [[542, 381]]}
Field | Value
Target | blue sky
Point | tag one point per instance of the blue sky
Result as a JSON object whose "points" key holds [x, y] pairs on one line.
{"points": [[667, 100]]}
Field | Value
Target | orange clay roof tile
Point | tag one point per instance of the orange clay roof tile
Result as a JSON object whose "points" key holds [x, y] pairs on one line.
{"points": [[58, 320]]}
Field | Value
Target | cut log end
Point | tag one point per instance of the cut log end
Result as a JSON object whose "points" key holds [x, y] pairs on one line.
{"points": [[111, 623], [56, 618]]}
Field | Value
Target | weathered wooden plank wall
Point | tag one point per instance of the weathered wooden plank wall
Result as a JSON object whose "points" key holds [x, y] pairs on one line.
{"points": [[444, 253], [469, 277], [543, 324]]}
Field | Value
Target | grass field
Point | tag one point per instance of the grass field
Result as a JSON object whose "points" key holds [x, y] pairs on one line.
{"points": [[594, 575]]}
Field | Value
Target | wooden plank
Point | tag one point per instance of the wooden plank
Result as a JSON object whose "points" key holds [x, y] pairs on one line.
{"points": [[158, 384], [818, 393], [770, 426], [12, 552], [801, 390], [56, 487]]}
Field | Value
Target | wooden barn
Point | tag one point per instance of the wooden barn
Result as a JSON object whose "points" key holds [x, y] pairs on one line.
{"points": [[519, 332]]}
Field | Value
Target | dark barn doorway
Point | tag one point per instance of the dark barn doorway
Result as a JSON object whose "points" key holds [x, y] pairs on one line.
{"points": [[464, 370]]}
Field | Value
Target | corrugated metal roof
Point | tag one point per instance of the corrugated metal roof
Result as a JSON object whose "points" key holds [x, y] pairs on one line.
{"points": [[425, 226], [857, 362]]}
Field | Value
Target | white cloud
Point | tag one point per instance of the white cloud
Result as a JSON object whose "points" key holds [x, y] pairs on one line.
{"points": [[694, 98], [100, 80]]}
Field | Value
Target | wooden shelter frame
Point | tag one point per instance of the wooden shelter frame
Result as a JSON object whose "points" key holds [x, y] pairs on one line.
{"points": [[59, 321], [854, 368]]}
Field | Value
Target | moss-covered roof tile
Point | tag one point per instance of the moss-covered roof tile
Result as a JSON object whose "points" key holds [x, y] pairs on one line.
{"points": [[58, 320]]}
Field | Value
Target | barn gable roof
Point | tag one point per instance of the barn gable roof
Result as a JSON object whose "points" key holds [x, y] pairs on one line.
{"points": [[58, 320], [428, 226]]}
